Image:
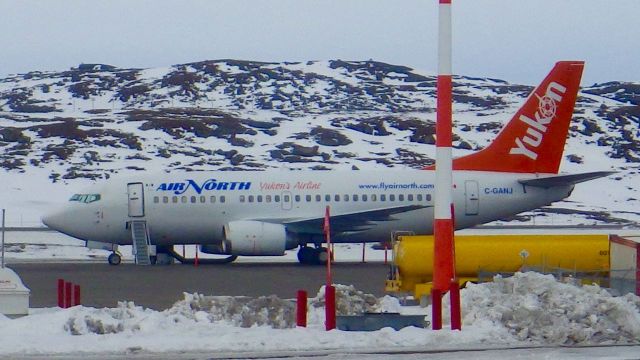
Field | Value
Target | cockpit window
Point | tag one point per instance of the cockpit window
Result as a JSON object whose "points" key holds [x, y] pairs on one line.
{"points": [[85, 198]]}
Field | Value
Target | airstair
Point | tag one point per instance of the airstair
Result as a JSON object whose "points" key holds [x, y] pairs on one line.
{"points": [[140, 237]]}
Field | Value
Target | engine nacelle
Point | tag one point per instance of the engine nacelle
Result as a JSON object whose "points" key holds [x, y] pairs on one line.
{"points": [[248, 237]]}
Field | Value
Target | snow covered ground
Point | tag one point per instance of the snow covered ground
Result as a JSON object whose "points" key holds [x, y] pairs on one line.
{"points": [[533, 313], [529, 311]]}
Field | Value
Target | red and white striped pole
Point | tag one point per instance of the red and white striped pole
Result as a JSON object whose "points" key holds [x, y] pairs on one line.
{"points": [[443, 259]]}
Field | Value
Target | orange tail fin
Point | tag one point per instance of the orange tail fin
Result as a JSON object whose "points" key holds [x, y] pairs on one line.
{"points": [[533, 141]]}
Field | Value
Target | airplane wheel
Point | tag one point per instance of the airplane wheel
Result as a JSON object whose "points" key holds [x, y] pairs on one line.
{"points": [[306, 255], [312, 256], [114, 259], [321, 256]]}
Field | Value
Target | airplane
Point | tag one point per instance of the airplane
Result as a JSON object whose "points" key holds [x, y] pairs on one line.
{"points": [[259, 213]]}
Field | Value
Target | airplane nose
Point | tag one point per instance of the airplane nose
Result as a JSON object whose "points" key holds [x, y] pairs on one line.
{"points": [[72, 220], [54, 220]]}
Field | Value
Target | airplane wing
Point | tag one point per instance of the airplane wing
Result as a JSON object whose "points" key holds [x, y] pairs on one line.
{"points": [[357, 221], [561, 180]]}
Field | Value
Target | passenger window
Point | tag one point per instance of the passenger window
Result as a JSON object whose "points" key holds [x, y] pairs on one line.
{"points": [[374, 197], [268, 198], [297, 197], [287, 198], [259, 198], [336, 197], [276, 198], [250, 198], [410, 197], [327, 198], [355, 197], [184, 199], [212, 199], [345, 197], [392, 197], [401, 197], [383, 197], [308, 198], [223, 199], [428, 196], [193, 199], [419, 197], [364, 197], [318, 198], [156, 199], [203, 199], [242, 198], [165, 199], [174, 199]]}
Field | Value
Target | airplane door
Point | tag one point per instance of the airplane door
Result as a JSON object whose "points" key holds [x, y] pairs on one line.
{"points": [[135, 193], [287, 201], [472, 197]]}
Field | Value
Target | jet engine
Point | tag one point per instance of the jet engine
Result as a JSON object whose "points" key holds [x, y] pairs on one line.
{"points": [[248, 237]]}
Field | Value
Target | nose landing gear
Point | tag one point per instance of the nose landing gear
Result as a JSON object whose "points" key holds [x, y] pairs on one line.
{"points": [[114, 259]]}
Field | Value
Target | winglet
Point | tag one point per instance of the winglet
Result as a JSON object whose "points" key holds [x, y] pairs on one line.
{"points": [[533, 141]]}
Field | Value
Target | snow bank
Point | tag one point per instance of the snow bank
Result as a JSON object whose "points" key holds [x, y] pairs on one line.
{"points": [[239, 311], [525, 309], [537, 308], [349, 301]]}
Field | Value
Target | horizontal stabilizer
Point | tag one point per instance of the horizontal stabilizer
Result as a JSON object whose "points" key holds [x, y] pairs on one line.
{"points": [[562, 180]]}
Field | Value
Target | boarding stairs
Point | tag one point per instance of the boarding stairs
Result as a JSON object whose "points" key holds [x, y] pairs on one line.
{"points": [[140, 237]]}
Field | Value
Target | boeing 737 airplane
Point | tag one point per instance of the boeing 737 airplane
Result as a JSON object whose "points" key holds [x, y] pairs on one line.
{"points": [[267, 212]]}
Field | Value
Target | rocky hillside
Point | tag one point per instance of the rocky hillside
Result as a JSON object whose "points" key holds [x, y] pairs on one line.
{"points": [[96, 120]]}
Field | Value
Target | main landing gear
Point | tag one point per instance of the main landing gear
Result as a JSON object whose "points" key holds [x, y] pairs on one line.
{"points": [[312, 256]]}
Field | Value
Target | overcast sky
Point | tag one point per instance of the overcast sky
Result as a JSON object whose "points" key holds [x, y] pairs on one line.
{"points": [[515, 40]]}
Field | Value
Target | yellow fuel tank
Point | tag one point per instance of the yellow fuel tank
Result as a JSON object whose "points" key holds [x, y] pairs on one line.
{"points": [[413, 256]]}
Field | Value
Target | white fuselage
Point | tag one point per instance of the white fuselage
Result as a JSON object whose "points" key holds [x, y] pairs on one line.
{"points": [[194, 207]]}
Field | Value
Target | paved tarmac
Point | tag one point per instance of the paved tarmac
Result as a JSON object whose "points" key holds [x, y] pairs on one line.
{"points": [[159, 287]]}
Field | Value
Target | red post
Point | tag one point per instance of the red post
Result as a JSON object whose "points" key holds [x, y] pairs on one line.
{"points": [[330, 307], [196, 261], [443, 246], [60, 293], [456, 316], [67, 294], [326, 228], [76, 295], [436, 309], [330, 291], [301, 309]]}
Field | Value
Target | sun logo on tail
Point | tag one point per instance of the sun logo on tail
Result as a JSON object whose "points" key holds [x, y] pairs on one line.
{"points": [[547, 106]]}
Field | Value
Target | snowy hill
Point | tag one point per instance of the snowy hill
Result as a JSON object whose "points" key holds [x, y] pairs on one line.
{"points": [[62, 130]]}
